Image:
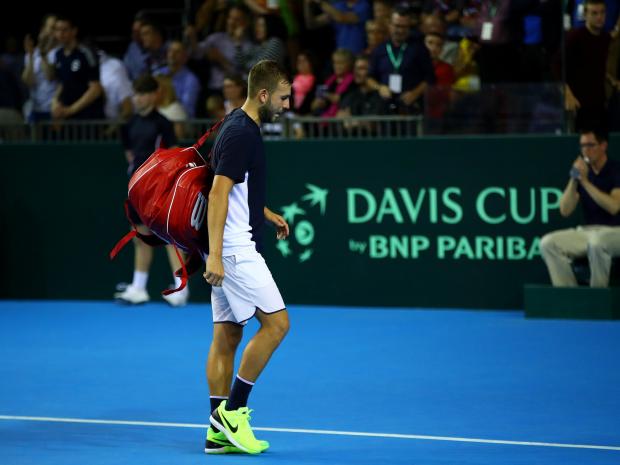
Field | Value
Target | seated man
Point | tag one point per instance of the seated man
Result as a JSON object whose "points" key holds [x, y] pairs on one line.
{"points": [[595, 180]]}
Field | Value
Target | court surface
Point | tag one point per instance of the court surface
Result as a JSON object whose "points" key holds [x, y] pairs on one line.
{"points": [[93, 383]]}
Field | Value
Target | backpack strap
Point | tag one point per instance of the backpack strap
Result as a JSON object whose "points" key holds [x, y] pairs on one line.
{"points": [[206, 135], [181, 273], [148, 239], [194, 263]]}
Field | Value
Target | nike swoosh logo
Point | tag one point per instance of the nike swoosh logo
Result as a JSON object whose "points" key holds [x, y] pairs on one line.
{"points": [[229, 426]]}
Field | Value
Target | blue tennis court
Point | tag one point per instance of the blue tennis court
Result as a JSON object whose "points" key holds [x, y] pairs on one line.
{"points": [[97, 383]]}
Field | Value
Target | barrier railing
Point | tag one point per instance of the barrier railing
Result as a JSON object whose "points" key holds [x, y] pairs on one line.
{"points": [[289, 128]]}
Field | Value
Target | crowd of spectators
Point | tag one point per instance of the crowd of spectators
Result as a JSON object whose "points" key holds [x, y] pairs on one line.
{"points": [[436, 58]]}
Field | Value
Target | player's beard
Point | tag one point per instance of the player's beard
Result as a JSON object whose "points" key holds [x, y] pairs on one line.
{"points": [[267, 113]]}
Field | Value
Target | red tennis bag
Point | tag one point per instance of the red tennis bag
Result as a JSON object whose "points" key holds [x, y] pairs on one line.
{"points": [[169, 192]]}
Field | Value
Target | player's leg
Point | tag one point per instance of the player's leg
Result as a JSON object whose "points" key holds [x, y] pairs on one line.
{"points": [[250, 290], [221, 360], [227, 333], [261, 347], [177, 299], [232, 416], [559, 249], [220, 366], [136, 292]]}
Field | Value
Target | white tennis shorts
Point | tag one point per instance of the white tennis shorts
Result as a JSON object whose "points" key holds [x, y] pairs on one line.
{"points": [[247, 285]]}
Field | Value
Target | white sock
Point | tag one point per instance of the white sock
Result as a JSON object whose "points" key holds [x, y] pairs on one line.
{"points": [[140, 279]]}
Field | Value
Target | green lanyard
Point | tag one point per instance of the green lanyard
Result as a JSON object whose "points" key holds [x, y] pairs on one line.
{"points": [[492, 9], [396, 62]]}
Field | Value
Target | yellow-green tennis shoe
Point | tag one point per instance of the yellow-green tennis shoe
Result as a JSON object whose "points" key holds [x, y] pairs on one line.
{"points": [[218, 443], [235, 424]]}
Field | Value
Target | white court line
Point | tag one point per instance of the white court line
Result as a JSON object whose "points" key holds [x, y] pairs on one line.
{"points": [[312, 431]]}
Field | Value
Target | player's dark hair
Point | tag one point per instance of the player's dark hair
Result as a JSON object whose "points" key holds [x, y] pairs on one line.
{"points": [[266, 74]]}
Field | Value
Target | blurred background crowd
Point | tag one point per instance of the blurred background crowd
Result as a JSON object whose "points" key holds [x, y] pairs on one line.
{"points": [[462, 66]]}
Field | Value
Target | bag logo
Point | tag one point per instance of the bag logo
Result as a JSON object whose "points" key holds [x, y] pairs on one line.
{"points": [[199, 212]]}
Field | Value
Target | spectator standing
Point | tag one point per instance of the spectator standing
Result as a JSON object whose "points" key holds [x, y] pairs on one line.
{"points": [[586, 68], [499, 28], [155, 46], [186, 84], [135, 57], [376, 34], [348, 18], [116, 87], [269, 35], [79, 94], [612, 14], [448, 10], [221, 48], [401, 70], [211, 17], [39, 70], [382, 11]]}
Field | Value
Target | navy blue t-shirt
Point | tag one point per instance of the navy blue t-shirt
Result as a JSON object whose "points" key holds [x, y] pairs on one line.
{"points": [[75, 71], [415, 68], [607, 180], [239, 154]]}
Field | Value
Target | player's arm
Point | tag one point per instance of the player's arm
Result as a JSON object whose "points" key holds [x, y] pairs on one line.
{"points": [[216, 220], [278, 222], [608, 202]]}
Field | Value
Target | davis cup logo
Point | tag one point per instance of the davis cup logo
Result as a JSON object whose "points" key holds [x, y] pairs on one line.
{"points": [[299, 243]]}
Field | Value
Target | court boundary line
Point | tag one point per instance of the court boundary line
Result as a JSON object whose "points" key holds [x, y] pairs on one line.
{"points": [[311, 431]]}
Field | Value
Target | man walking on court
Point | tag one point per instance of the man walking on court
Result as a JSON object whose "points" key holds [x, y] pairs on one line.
{"points": [[242, 284]]}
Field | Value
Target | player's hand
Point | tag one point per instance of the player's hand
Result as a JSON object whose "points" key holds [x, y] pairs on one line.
{"points": [[282, 229], [214, 273]]}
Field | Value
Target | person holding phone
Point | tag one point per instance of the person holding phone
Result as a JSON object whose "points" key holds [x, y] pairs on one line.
{"points": [[595, 182]]}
